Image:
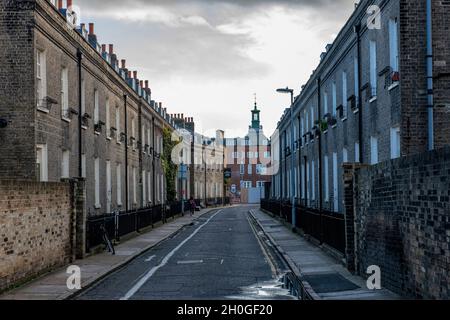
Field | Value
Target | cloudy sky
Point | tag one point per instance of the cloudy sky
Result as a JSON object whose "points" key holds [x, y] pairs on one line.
{"points": [[207, 58]]}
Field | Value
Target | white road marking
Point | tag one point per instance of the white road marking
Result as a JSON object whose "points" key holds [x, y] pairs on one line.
{"points": [[190, 262], [149, 258], [166, 259]]}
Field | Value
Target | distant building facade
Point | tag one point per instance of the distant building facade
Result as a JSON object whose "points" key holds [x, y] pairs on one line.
{"points": [[248, 158]]}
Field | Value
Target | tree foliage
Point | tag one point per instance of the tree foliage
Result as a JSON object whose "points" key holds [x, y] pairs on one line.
{"points": [[170, 168]]}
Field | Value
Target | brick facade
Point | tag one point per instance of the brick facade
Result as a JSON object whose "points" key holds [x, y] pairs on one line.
{"points": [[370, 120], [36, 233], [33, 26], [402, 223]]}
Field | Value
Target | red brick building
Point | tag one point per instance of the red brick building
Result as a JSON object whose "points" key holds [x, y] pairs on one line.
{"points": [[248, 158]]}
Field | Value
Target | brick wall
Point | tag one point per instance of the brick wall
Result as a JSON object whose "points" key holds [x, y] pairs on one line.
{"points": [[35, 229], [413, 74], [17, 92], [402, 223]]}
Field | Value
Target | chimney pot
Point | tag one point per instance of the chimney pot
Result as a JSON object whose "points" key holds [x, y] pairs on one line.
{"points": [[141, 83], [146, 84], [135, 74], [111, 49], [129, 74], [83, 26], [60, 4], [103, 47], [123, 63], [69, 3], [91, 28]]}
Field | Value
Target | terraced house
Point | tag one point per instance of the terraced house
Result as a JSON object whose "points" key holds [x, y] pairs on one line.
{"points": [[72, 109], [380, 92]]}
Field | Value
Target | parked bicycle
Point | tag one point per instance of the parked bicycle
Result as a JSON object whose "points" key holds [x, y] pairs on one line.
{"points": [[108, 243]]}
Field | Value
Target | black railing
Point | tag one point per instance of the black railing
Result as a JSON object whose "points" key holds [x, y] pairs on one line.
{"points": [[93, 229], [120, 224], [175, 208], [327, 227]]}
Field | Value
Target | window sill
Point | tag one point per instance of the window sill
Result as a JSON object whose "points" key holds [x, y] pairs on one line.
{"points": [[356, 111], [66, 120], [119, 143], [98, 206], [108, 138], [373, 99], [325, 132], [344, 119], [43, 110], [84, 127], [393, 86], [97, 133], [333, 127]]}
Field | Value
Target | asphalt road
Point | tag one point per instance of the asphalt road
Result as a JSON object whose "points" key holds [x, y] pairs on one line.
{"points": [[219, 257]]}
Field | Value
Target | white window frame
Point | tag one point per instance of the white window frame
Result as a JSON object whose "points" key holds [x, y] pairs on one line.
{"points": [[108, 119], [335, 183], [373, 68], [65, 94], [42, 160], [108, 187], [65, 164], [344, 95], [393, 45], [373, 150], [96, 107], [395, 143], [41, 77], [97, 183], [119, 184]]}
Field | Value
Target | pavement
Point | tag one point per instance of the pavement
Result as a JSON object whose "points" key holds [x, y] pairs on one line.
{"points": [[52, 286], [322, 275], [220, 257]]}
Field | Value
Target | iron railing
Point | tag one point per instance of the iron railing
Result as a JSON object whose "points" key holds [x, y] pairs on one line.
{"points": [[327, 227], [120, 224]]}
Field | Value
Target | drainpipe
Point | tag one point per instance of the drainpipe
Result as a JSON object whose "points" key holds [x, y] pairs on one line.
{"points": [[153, 163], [80, 116], [357, 30], [141, 149], [300, 140], [126, 151], [430, 77], [319, 163]]}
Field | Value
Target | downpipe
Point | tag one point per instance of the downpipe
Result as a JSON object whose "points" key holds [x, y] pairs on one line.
{"points": [[430, 93]]}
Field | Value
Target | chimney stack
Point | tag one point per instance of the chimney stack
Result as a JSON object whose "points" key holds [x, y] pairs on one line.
{"points": [[103, 47], [129, 74], [124, 64], [135, 74], [60, 4], [111, 49], [141, 83], [91, 28], [69, 3], [146, 84]]}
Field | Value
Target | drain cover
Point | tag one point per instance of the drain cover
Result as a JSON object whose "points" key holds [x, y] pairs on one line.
{"points": [[331, 282]]}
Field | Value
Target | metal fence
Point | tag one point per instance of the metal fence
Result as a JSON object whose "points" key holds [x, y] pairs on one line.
{"points": [[120, 224], [327, 227]]}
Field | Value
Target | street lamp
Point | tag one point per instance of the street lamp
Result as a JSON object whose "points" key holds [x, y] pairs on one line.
{"points": [[291, 92]]}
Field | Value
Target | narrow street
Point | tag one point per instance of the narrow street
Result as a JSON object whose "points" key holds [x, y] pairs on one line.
{"points": [[220, 256]]}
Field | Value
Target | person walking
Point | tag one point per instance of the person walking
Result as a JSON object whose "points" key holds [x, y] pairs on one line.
{"points": [[192, 205]]}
